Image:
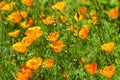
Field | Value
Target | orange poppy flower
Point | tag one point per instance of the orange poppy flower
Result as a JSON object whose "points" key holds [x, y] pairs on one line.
{"points": [[83, 60], [27, 2], [81, 14], [27, 24], [21, 77], [14, 34], [2, 4], [9, 6], [113, 13], [24, 74], [27, 41], [63, 18], [34, 32], [84, 32], [14, 17], [57, 46], [23, 14], [83, 0], [93, 19], [48, 63], [65, 75], [108, 46], [49, 20], [34, 63], [60, 6], [108, 71], [19, 46], [82, 10], [91, 68], [53, 36]]}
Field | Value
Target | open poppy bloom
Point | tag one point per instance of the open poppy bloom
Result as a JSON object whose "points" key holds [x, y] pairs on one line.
{"points": [[49, 63], [23, 14], [49, 20], [108, 71], [84, 32], [19, 46], [14, 34], [113, 13], [9, 6], [27, 41], [91, 68], [27, 2], [53, 36], [57, 46], [34, 63], [60, 6], [2, 4], [24, 74], [14, 17], [108, 46], [34, 32]]}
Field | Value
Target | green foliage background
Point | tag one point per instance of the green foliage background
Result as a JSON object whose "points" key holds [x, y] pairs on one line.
{"points": [[106, 29]]}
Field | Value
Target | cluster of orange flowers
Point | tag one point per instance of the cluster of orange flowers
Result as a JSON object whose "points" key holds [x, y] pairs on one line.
{"points": [[31, 65], [31, 35], [27, 69], [107, 71], [35, 32], [56, 45]]}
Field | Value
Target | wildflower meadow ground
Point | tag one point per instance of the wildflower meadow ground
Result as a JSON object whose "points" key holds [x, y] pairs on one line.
{"points": [[59, 39]]}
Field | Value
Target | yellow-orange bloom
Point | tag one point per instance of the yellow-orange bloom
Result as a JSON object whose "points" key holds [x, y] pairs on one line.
{"points": [[27, 41], [53, 36], [24, 74], [60, 6], [27, 24], [48, 63], [34, 32], [81, 14], [108, 71], [63, 18], [20, 47], [9, 6], [83, 60], [14, 34], [93, 19], [113, 13], [2, 4], [27, 2], [83, 0], [24, 14], [108, 46], [34, 63], [84, 32], [49, 20], [91, 68], [65, 75], [14, 17], [57, 46]]}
